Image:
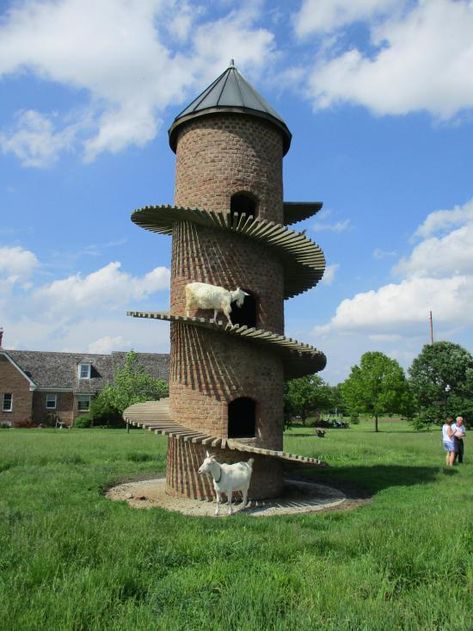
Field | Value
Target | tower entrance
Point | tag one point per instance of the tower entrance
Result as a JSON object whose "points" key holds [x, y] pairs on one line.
{"points": [[242, 418], [243, 203], [247, 313]]}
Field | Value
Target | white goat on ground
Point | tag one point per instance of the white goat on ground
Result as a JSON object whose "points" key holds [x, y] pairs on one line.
{"points": [[228, 478], [204, 296]]}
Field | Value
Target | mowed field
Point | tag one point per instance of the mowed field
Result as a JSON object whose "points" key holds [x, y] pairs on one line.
{"points": [[72, 560]]}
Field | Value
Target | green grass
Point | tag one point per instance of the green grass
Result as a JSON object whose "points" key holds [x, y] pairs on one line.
{"points": [[72, 560]]}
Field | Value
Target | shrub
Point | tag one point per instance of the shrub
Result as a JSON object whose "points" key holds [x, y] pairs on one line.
{"points": [[83, 421]]}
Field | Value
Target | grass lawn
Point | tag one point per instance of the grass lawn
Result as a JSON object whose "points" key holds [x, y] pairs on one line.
{"points": [[72, 560]]}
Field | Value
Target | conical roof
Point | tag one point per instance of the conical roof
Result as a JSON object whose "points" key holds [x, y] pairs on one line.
{"points": [[230, 92]]}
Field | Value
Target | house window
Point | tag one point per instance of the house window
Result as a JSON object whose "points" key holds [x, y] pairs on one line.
{"points": [[83, 402], [84, 371], [51, 401], [7, 402]]}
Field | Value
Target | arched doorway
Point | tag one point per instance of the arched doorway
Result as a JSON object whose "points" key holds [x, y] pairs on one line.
{"points": [[243, 203], [247, 313], [242, 418]]}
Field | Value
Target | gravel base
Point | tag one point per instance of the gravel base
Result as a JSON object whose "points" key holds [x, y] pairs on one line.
{"points": [[299, 497]]}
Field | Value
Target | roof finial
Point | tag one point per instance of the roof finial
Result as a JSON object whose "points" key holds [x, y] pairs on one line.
{"points": [[232, 63]]}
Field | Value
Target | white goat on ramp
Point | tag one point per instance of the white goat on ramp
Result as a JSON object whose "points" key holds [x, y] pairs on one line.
{"points": [[228, 478], [205, 296]]}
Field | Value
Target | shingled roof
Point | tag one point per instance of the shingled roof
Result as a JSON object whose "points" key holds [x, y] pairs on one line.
{"points": [[59, 371]]}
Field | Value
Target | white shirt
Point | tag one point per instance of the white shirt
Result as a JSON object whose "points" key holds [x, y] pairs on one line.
{"points": [[460, 429]]}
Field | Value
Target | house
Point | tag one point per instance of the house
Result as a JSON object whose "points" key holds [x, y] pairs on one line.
{"points": [[37, 385]]}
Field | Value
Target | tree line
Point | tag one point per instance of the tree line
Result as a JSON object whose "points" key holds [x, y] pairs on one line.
{"points": [[439, 383]]}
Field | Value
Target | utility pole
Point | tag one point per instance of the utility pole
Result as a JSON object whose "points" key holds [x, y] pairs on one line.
{"points": [[431, 328]]}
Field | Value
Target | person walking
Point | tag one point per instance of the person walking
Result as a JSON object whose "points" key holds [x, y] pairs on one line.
{"points": [[447, 441], [458, 429]]}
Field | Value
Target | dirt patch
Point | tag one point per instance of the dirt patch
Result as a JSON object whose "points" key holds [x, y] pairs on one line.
{"points": [[299, 497]]}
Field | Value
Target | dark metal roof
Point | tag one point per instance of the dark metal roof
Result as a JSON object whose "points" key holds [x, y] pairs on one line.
{"points": [[230, 92], [60, 370]]}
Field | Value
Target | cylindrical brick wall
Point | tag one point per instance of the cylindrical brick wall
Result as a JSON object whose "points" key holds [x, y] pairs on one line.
{"points": [[210, 255], [183, 479], [218, 156], [208, 370]]}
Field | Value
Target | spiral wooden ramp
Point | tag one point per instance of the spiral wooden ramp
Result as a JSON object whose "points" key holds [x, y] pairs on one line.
{"points": [[303, 264], [154, 416], [303, 260]]}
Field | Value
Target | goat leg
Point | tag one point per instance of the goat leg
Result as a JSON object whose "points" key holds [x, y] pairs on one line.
{"points": [[219, 499]]}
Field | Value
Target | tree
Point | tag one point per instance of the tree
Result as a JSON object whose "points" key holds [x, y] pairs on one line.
{"points": [[337, 402], [377, 386], [306, 395], [132, 384], [441, 379]]}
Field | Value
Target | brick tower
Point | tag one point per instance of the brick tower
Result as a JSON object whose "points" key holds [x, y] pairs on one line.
{"points": [[228, 228]]}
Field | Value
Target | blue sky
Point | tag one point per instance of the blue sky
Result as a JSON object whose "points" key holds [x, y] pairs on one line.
{"points": [[377, 93]]}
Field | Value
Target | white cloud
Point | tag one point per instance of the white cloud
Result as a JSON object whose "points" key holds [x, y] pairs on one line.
{"points": [[437, 276], [324, 16], [34, 141], [107, 344], [422, 62], [400, 306], [439, 257], [339, 226], [81, 312], [107, 288], [383, 254], [114, 53], [16, 265], [441, 220], [329, 274], [87, 334]]}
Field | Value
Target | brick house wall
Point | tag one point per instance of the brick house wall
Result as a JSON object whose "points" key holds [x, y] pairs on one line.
{"points": [[58, 373], [13, 382], [64, 407]]}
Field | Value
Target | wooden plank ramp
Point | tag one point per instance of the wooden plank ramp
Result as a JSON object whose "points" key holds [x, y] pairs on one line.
{"points": [[155, 416], [299, 359]]}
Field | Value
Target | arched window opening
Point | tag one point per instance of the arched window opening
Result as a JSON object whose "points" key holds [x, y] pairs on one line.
{"points": [[242, 418], [247, 313], [243, 203]]}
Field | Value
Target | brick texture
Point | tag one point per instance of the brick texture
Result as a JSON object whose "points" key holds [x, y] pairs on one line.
{"points": [[226, 259], [209, 370], [184, 460], [13, 382], [218, 156], [65, 408]]}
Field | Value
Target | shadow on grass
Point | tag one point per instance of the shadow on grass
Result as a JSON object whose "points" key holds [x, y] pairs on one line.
{"points": [[341, 430], [365, 481]]}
